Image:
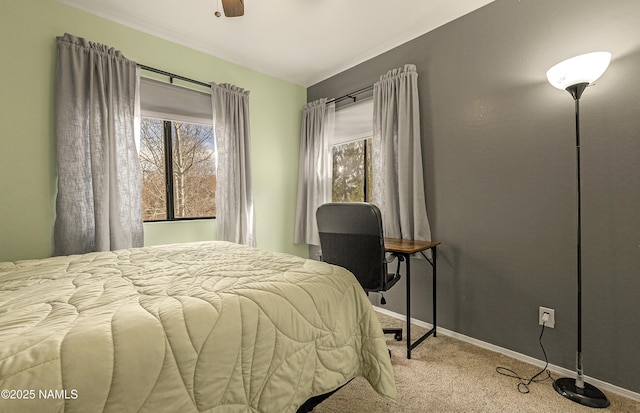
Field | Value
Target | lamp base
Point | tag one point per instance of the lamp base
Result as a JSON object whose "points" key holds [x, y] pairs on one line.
{"points": [[589, 396]]}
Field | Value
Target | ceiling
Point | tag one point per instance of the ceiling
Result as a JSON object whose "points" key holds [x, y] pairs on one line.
{"points": [[300, 41]]}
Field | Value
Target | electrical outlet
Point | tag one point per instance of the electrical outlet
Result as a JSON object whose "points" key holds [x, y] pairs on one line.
{"points": [[552, 317]]}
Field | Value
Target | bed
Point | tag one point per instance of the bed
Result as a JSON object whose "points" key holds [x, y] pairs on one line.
{"points": [[197, 327]]}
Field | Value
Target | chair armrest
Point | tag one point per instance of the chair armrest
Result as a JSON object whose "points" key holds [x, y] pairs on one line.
{"points": [[388, 259], [391, 257]]}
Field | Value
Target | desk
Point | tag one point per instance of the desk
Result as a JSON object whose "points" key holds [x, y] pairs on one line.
{"points": [[405, 248]]}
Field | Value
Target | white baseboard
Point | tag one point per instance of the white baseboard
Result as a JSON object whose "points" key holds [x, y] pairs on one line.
{"points": [[518, 356]]}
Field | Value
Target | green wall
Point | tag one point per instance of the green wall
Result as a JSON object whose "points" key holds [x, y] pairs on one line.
{"points": [[27, 155]]}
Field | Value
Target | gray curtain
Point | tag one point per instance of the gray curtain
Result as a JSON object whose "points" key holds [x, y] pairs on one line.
{"points": [[234, 192], [315, 169], [398, 183], [98, 205]]}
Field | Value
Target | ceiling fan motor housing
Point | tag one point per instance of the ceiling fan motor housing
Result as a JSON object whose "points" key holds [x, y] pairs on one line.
{"points": [[233, 8]]}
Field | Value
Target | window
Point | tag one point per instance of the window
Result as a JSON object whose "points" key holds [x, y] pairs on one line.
{"points": [[351, 149], [177, 152], [178, 170], [352, 172]]}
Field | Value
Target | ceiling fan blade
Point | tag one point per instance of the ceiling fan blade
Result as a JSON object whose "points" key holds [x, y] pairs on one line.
{"points": [[233, 8]]}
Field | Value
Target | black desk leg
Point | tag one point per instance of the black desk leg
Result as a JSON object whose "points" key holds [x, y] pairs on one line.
{"points": [[433, 264], [407, 258], [413, 345]]}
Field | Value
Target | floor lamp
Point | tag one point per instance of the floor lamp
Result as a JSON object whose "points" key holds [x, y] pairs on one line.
{"points": [[574, 75]]}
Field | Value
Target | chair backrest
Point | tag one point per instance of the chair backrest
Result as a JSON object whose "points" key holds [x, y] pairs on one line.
{"points": [[351, 237]]}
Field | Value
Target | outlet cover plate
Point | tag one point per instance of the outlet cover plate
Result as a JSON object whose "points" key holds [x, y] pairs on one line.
{"points": [[552, 317]]}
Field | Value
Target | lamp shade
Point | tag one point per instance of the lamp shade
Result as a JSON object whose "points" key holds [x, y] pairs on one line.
{"points": [[585, 68]]}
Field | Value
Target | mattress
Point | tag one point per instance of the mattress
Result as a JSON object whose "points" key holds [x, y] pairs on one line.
{"points": [[198, 327]]}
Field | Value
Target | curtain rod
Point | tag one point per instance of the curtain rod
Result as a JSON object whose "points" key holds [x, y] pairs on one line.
{"points": [[351, 95], [171, 76]]}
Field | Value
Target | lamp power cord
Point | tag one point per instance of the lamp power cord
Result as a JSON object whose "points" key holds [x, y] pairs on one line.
{"points": [[523, 385]]}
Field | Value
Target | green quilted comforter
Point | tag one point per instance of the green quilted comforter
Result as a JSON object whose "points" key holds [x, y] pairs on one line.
{"points": [[201, 327]]}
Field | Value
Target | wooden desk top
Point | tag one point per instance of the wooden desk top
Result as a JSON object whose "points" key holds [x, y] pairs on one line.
{"points": [[407, 246]]}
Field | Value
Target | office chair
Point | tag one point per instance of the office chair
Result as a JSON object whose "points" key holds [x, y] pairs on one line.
{"points": [[351, 237]]}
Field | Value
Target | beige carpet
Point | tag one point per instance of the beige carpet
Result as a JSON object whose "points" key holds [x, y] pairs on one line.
{"points": [[449, 375]]}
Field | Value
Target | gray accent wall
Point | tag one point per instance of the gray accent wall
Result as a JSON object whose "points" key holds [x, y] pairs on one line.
{"points": [[499, 153]]}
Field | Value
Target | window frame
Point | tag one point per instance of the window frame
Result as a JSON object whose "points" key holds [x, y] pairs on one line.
{"points": [[167, 137], [169, 103], [354, 123]]}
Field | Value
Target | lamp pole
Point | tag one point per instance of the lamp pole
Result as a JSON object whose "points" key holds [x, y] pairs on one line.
{"points": [[577, 390], [576, 93]]}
